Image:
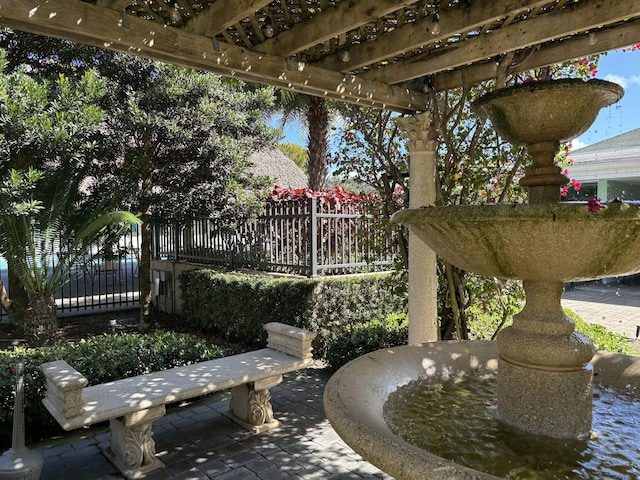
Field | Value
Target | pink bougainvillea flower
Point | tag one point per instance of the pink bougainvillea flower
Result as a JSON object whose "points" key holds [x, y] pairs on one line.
{"points": [[594, 205], [576, 184]]}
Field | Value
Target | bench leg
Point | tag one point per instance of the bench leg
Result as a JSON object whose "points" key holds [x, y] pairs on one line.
{"points": [[132, 449], [250, 405]]}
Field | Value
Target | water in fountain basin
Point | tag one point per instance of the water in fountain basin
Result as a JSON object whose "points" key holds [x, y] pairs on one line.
{"points": [[456, 420]]}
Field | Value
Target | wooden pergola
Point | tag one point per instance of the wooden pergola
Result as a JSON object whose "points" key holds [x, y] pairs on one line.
{"points": [[383, 53], [389, 54]]}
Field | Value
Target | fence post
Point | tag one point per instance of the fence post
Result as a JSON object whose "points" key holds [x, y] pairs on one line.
{"points": [[176, 242], [313, 238]]}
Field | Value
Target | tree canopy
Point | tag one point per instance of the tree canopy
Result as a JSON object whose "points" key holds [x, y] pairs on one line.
{"points": [[165, 142]]}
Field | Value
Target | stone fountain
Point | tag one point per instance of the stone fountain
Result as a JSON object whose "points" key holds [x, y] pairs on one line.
{"points": [[545, 368]]}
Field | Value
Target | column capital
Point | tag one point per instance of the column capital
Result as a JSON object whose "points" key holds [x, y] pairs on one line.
{"points": [[419, 130]]}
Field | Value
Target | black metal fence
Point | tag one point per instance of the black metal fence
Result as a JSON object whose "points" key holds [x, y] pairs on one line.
{"points": [[108, 282], [311, 239]]}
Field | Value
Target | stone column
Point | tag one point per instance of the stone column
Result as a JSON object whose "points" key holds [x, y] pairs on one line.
{"points": [[423, 277]]}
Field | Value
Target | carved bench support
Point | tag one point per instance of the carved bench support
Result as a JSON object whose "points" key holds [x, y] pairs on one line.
{"points": [[250, 405], [132, 449]]}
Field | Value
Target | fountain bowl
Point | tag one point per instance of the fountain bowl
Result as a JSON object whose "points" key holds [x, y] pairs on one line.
{"points": [[545, 242], [355, 396], [545, 111]]}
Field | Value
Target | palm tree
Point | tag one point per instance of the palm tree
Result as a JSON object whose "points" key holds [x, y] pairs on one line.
{"points": [[48, 246], [315, 113]]}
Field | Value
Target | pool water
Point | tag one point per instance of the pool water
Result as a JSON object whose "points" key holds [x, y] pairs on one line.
{"points": [[456, 420]]}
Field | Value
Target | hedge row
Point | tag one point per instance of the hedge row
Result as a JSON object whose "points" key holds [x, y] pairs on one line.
{"points": [[359, 340], [100, 359], [237, 305]]}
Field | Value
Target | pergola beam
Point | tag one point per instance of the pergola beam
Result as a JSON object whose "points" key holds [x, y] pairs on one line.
{"points": [[562, 51], [582, 17], [114, 4], [418, 34], [222, 15], [332, 23], [105, 28]]}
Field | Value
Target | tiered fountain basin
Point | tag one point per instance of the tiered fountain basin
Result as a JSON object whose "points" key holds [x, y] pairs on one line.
{"points": [[546, 242], [545, 378], [548, 111], [545, 369], [355, 396]]}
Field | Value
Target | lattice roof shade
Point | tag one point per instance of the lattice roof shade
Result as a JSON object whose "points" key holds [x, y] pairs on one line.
{"points": [[374, 52]]}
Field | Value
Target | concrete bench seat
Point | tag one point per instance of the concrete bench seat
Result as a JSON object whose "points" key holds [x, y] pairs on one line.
{"points": [[132, 404]]}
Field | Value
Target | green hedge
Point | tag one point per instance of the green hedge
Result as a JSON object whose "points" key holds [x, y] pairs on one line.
{"points": [[602, 337], [100, 359], [368, 337], [237, 305], [483, 324]]}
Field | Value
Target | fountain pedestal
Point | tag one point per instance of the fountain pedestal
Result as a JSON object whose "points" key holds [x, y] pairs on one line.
{"points": [[545, 380], [544, 361]]}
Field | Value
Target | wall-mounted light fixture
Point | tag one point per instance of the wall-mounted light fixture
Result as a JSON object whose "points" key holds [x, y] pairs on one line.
{"points": [[435, 21], [269, 31], [125, 19], [345, 56], [176, 16]]}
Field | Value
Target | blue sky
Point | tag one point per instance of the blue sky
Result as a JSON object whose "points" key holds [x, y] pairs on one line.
{"points": [[616, 66], [622, 68]]}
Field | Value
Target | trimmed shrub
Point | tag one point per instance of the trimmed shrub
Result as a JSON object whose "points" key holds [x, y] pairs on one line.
{"points": [[357, 340], [236, 305], [100, 359], [602, 337], [483, 325]]}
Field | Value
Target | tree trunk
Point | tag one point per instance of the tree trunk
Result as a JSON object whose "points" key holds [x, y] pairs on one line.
{"points": [[144, 267], [19, 299], [144, 271], [318, 119], [40, 320]]}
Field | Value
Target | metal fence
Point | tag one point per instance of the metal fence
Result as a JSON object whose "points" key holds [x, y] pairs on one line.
{"points": [[308, 239], [311, 239], [108, 282]]}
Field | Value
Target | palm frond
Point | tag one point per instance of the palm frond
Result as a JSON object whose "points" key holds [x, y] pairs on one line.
{"points": [[28, 242]]}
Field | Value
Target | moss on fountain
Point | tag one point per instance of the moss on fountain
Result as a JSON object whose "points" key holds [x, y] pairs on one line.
{"points": [[559, 84], [547, 111], [550, 211], [548, 242]]}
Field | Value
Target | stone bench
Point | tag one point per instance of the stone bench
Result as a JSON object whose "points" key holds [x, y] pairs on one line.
{"points": [[132, 404]]}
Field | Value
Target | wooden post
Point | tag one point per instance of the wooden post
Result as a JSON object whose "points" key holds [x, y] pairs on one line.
{"points": [[313, 236]]}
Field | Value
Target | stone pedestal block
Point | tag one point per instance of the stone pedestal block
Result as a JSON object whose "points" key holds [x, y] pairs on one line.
{"points": [[132, 449], [293, 341], [556, 404], [64, 388], [250, 405]]}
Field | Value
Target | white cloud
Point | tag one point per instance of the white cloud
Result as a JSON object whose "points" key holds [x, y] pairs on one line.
{"points": [[577, 143], [622, 81]]}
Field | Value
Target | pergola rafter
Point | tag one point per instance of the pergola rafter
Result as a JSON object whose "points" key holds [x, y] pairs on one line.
{"points": [[374, 52]]}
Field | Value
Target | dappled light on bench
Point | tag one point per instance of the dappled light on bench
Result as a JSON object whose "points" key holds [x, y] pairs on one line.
{"points": [[132, 404]]}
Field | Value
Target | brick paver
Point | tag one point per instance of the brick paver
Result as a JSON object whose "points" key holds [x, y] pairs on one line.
{"points": [[614, 305], [196, 441]]}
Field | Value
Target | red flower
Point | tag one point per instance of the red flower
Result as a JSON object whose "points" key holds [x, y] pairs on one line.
{"points": [[594, 205]]}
